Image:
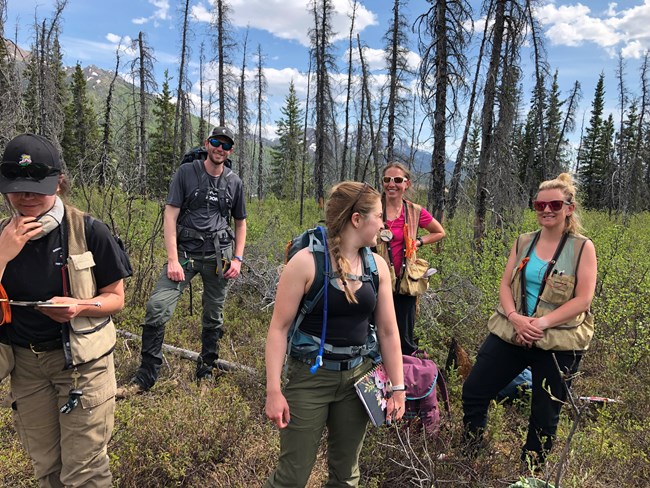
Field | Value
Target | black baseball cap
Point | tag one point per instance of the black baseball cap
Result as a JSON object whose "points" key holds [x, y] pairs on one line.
{"points": [[30, 163], [223, 132]]}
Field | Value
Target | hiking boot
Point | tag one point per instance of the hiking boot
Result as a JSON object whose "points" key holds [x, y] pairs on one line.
{"points": [[128, 391], [209, 375]]}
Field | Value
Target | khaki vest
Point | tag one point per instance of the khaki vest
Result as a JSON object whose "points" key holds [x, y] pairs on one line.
{"points": [[574, 335], [87, 338], [414, 267]]}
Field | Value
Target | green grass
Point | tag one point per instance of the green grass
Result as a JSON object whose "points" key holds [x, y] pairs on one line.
{"points": [[180, 434]]}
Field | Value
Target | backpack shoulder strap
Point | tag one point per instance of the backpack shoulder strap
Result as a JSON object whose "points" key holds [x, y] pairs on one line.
{"points": [[222, 187], [370, 267], [315, 292], [317, 249]]}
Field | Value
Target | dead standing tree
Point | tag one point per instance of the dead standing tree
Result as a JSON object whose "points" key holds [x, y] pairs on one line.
{"points": [[487, 119], [242, 115], [182, 123], [223, 46], [324, 63], [443, 38], [142, 70], [261, 93], [460, 155], [11, 103], [399, 74], [348, 91]]}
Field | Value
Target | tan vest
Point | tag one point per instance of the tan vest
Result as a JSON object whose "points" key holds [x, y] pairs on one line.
{"points": [[412, 211], [87, 338], [574, 335]]}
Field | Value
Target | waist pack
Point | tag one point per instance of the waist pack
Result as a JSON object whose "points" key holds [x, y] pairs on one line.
{"points": [[421, 378], [414, 282]]}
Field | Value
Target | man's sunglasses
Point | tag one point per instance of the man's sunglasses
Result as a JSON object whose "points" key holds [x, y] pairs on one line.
{"points": [[397, 179], [227, 146], [34, 171], [554, 205]]}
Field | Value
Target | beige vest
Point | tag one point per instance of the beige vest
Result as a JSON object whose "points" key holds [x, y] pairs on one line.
{"points": [[574, 335], [414, 268], [88, 338]]}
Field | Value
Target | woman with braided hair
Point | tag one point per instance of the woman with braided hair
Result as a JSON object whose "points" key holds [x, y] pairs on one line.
{"points": [[325, 396]]}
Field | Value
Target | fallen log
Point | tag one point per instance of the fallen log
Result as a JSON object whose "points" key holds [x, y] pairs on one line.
{"points": [[191, 355]]}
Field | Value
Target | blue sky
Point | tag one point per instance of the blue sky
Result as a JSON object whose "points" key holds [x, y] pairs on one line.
{"points": [[582, 39]]}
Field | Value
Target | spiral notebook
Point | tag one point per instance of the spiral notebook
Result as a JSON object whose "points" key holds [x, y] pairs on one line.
{"points": [[372, 389]]}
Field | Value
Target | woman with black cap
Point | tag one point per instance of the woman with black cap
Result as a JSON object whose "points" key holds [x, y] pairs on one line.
{"points": [[61, 279]]}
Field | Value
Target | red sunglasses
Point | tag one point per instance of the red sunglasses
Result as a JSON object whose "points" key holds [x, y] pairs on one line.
{"points": [[554, 205]]}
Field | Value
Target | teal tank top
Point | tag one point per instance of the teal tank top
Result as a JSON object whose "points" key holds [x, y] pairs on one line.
{"points": [[535, 269]]}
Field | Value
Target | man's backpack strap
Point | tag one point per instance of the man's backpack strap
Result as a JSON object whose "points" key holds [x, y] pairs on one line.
{"points": [[222, 190]]}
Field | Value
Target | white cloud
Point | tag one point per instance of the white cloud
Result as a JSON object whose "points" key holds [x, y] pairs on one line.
{"points": [[161, 12], [573, 25], [113, 38], [288, 19], [614, 29]]}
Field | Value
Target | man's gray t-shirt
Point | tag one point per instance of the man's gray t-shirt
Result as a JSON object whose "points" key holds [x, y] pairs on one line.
{"points": [[192, 183]]}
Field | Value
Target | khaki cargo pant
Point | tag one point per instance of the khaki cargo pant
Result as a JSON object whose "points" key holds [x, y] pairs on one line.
{"points": [[66, 449]]}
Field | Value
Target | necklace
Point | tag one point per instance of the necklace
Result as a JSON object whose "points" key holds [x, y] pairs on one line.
{"points": [[386, 234]]}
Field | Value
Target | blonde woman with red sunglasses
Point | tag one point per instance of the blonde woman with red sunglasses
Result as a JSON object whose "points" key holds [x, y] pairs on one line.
{"points": [[543, 316], [399, 242]]}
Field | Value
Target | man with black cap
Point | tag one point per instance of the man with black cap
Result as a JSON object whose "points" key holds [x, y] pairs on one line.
{"points": [[61, 278], [203, 197]]}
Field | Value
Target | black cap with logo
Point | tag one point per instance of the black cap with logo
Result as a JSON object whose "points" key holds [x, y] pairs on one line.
{"points": [[223, 132], [30, 163]]}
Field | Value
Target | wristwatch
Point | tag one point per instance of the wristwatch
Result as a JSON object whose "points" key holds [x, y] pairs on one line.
{"points": [[239, 258], [398, 388], [419, 239]]}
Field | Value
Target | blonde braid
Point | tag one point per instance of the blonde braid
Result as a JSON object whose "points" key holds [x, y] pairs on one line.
{"points": [[343, 267]]}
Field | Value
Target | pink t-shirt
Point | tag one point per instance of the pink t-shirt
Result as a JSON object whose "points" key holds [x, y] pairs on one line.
{"points": [[397, 242]]}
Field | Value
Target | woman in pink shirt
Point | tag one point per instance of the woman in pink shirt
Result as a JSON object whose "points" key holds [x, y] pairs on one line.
{"points": [[402, 219]]}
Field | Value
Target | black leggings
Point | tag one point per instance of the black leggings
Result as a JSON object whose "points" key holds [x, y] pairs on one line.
{"points": [[498, 363], [405, 311]]}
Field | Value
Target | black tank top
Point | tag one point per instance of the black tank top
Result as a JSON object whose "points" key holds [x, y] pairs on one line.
{"points": [[347, 323]]}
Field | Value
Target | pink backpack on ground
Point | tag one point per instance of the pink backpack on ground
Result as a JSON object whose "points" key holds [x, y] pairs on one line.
{"points": [[421, 376]]}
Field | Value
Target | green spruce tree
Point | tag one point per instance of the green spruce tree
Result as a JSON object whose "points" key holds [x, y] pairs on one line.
{"points": [[161, 147], [590, 161], [81, 138], [288, 154]]}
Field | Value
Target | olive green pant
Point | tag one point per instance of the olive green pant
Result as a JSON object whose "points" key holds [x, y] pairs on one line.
{"points": [[66, 449], [326, 398]]}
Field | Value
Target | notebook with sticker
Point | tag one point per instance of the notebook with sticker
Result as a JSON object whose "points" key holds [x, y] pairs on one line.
{"points": [[372, 389]]}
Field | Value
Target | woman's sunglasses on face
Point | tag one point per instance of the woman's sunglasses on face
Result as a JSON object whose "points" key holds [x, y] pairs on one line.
{"points": [[227, 146], [554, 205], [397, 179], [34, 171]]}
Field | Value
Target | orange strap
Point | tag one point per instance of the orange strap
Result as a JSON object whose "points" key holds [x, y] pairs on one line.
{"points": [[4, 306], [409, 243], [523, 263]]}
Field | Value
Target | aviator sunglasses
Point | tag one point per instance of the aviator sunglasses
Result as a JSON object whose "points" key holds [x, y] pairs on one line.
{"points": [[397, 179], [554, 205], [34, 171], [227, 146]]}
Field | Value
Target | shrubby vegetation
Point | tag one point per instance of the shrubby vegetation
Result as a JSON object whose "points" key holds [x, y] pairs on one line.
{"points": [[181, 434]]}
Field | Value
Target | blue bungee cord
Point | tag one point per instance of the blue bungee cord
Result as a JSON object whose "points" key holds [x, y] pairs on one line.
{"points": [[319, 358]]}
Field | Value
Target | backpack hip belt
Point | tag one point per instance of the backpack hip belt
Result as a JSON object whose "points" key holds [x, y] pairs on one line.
{"points": [[333, 365], [305, 347]]}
